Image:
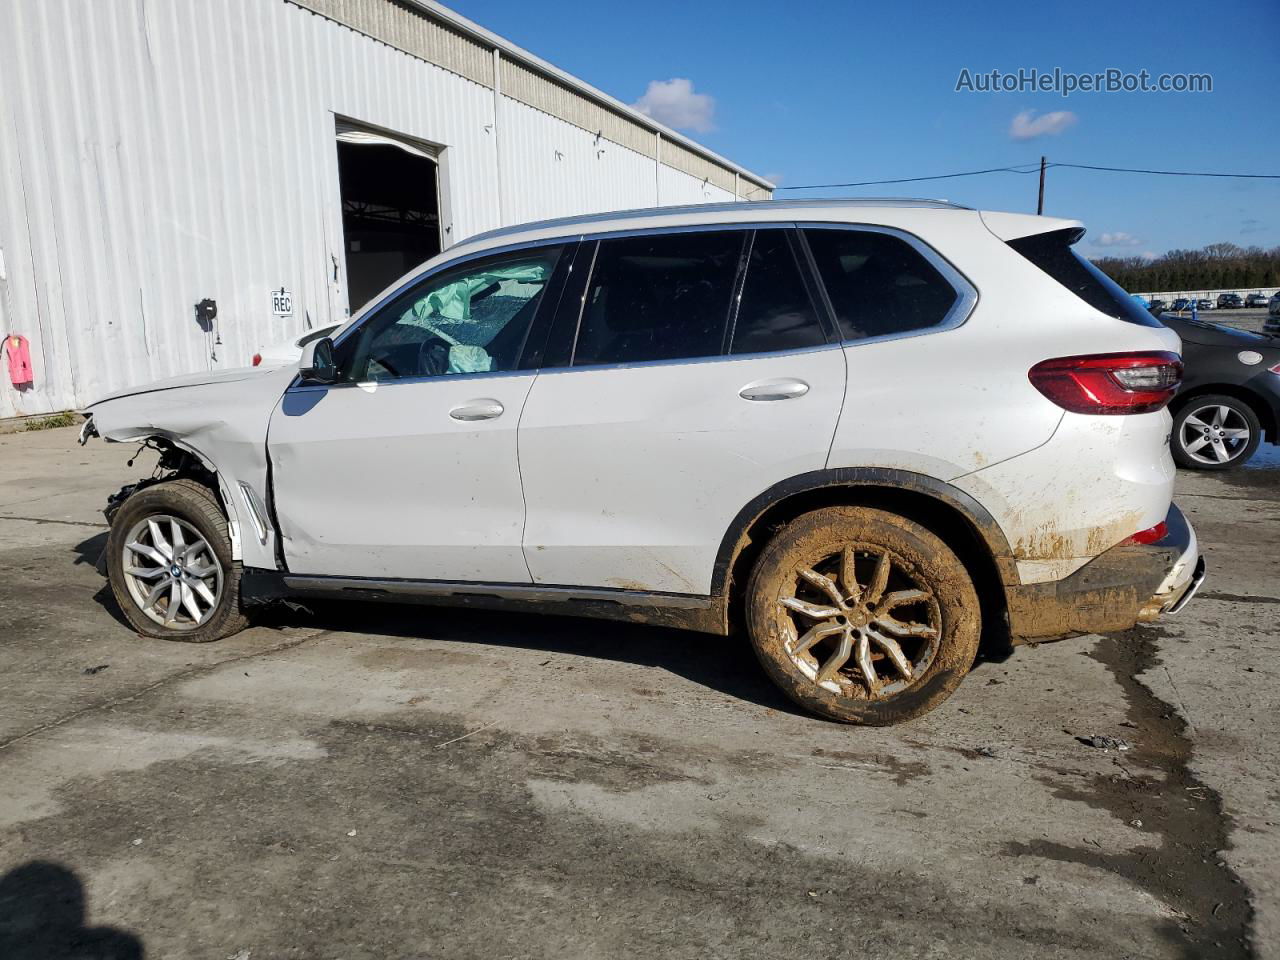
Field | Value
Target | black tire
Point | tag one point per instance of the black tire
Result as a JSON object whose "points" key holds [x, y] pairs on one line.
{"points": [[196, 505], [821, 542], [1183, 433]]}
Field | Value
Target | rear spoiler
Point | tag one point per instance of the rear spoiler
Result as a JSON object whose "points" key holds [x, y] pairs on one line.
{"points": [[1014, 226]]}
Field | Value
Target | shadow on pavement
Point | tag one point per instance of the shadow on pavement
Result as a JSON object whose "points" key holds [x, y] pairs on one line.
{"points": [[42, 914], [88, 551], [724, 664], [719, 663]]}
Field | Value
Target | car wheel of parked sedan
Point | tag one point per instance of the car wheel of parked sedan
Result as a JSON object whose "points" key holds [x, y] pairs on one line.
{"points": [[862, 616], [1215, 433], [170, 567]]}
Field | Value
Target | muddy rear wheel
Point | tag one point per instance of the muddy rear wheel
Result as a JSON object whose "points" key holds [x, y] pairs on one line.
{"points": [[862, 616]]}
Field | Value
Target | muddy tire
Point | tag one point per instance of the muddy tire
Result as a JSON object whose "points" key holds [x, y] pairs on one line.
{"points": [[862, 616], [169, 564]]}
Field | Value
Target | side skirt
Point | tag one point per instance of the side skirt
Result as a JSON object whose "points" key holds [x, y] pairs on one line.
{"points": [[679, 610]]}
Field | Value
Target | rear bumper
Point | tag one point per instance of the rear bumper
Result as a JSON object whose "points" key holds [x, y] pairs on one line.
{"points": [[1129, 584]]}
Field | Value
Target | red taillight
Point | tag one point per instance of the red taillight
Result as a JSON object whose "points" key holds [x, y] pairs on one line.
{"points": [[1276, 368], [1151, 534], [1109, 383], [257, 359]]}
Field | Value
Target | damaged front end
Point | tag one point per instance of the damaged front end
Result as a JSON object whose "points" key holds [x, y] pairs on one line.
{"points": [[211, 429]]}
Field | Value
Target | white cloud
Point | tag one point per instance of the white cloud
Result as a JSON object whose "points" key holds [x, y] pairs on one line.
{"points": [[1149, 255], [1117, 239], [674, 103], [1027, 126]]}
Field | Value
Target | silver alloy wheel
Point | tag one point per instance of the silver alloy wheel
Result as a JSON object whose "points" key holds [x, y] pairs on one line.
{"points": [[854, 610], [1214, 434], [172, 573]]}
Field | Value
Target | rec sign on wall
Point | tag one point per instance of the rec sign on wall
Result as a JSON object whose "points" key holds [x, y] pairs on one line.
{"points": [[282, 302]]}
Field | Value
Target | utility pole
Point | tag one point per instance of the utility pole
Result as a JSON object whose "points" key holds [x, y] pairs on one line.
{"points": [[1040, 202]]}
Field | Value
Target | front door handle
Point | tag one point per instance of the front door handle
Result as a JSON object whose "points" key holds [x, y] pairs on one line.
{"points": [[784, 389], [477, 410]]}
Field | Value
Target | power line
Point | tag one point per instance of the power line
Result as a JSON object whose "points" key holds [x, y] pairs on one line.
{"points": [[941, 176], [1034, 168], [1170, 173]]}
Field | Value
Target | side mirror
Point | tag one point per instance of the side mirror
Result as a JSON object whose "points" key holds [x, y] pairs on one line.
{"points": [[317, 364]]}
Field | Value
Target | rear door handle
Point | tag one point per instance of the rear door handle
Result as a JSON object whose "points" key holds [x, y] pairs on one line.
{"points": [[785, 389], [477, 410]]}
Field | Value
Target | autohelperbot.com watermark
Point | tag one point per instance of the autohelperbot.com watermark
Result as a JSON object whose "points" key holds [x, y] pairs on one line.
{"points": [[1065, 82]]}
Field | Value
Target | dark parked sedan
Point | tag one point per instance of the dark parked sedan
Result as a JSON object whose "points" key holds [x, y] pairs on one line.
{"points": [[1230, 394], [1230, 301]]}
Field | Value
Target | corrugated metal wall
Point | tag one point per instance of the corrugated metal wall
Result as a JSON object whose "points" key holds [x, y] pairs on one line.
{"points": [[411, 30], [159, 152], [523, 84], [557, 166]]}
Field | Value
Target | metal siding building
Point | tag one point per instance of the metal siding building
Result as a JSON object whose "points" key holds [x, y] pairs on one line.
{"points": [[159, 152]]}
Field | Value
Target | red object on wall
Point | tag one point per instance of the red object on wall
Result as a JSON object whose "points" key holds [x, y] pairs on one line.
{"points": [[19, 353]]}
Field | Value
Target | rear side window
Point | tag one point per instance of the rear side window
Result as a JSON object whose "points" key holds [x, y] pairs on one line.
{"points": [[879, 284], [1052, 253], [661, 297], [775, 311]]}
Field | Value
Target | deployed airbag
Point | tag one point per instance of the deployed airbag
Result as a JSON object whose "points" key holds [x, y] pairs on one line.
{"points": [[466, 359]]}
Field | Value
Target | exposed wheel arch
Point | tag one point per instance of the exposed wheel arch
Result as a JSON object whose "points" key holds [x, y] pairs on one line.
{"points": [[1261, 409], [948, 512], [181, 461]]}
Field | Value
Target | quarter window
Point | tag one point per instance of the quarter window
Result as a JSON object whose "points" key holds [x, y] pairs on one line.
{"points": [[661, 297], [878, 283], [1053, 253], [775, 312], [473, 319]]}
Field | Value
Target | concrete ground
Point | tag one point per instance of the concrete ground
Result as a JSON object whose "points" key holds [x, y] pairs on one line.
{"points": [[377, 782]]}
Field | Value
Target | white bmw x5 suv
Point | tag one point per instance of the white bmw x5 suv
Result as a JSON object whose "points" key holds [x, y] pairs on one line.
{"points": [[861, 433]]}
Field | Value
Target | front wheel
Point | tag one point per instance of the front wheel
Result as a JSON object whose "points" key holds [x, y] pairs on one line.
{"points": [[169, 564], [1215, 432], [862, 616]]}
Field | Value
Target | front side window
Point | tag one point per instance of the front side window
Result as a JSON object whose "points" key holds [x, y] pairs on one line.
{"points": [[659, 297], [878, 283], [472, 319], [775, 311]]}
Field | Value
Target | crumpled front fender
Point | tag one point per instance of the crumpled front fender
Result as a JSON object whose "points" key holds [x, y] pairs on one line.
{"points": [[224, 426]]}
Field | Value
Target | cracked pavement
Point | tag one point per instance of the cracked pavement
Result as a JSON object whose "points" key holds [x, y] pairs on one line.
{"points": [[374, 781]]}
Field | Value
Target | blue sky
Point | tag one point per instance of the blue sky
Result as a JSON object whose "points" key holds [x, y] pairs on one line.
{"points": [[837, 92]]}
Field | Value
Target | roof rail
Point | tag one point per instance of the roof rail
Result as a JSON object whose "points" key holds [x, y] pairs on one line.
{"points": [[723, 207]]}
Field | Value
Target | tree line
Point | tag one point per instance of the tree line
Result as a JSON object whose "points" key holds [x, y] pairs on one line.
{"points": [[1219, 266]]}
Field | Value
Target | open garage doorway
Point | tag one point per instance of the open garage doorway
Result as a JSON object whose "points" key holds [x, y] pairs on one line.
{"points": [[390, 208]]}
